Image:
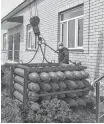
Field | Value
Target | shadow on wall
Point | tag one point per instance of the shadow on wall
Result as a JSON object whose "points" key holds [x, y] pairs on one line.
{"points": [[99, 54]]}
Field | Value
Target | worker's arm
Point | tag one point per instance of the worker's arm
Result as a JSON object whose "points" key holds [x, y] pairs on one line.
{"points": [[56, 51]]}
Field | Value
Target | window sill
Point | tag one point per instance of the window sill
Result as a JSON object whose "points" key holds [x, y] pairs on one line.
{"points": [[11, 62], [76, 49], [30, 50]]}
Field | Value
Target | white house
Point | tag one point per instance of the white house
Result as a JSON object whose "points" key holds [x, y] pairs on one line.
{"points": [[78, 23]]}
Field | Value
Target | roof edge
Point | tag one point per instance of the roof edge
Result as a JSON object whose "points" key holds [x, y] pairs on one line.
{"points": [[17, 9]]}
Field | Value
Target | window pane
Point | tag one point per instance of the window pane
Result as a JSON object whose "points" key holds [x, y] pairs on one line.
{"points": [[4, 43], [16, 56], [71, 34], [80, 32], [16, 47], [29, 39], [4, 40], [72, 13], [36, 41], [10, 48], [17, 41], [64, 33], [33, 41], [10, 55]]}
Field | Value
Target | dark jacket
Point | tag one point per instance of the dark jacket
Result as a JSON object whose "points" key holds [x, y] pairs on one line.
{"points": [[63, 56]]}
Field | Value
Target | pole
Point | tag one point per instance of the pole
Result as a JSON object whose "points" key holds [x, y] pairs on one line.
{"points": [[25, 94], [97, 102], [11, 82]]}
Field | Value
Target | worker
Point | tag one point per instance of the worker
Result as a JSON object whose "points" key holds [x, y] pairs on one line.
{"points": [[63, 57]]}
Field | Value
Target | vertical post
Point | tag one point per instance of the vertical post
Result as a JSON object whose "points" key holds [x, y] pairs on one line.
{"points": [[25, 95], [97, 102], [11, 82]]}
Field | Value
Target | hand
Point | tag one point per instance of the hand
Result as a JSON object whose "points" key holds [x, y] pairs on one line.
{"points": [[77, 63], [92, 88]]}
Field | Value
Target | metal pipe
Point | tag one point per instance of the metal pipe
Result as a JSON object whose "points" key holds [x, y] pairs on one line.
{"points": [[97, 80], [101, 116], [97, 102], [25, 96], [11, 82], [63, 92]]}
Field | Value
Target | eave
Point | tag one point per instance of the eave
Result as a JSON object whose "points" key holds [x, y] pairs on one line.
{"points": [[12, 22], [17, 9]]}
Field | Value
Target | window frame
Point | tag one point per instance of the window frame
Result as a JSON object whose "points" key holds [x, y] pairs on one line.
{"points": [[6, 40], [13, 49], [27, 37], [76, 30]]}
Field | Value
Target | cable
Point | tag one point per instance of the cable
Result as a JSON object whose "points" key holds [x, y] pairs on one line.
{"points": [[43, 55], [44, 52], [30, 9], [33, 56], [56, 51], [49, 46], [35, 8]]}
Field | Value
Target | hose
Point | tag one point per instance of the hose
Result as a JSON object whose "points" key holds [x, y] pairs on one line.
{"points": [[44, 55], [49, 46], [33, 56]]}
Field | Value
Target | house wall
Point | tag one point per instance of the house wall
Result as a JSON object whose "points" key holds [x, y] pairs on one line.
{"points": [[93, 35]]}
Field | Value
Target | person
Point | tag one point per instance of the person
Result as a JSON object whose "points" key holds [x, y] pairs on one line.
{"points": [[63, 57]]}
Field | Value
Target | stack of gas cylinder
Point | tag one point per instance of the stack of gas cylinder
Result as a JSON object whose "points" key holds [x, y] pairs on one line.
{"points": [[50, 82]]}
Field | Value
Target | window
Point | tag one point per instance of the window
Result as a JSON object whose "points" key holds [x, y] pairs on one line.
{"points": [[71, 23], [14, 47], [31, 39], [5, 41]]}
